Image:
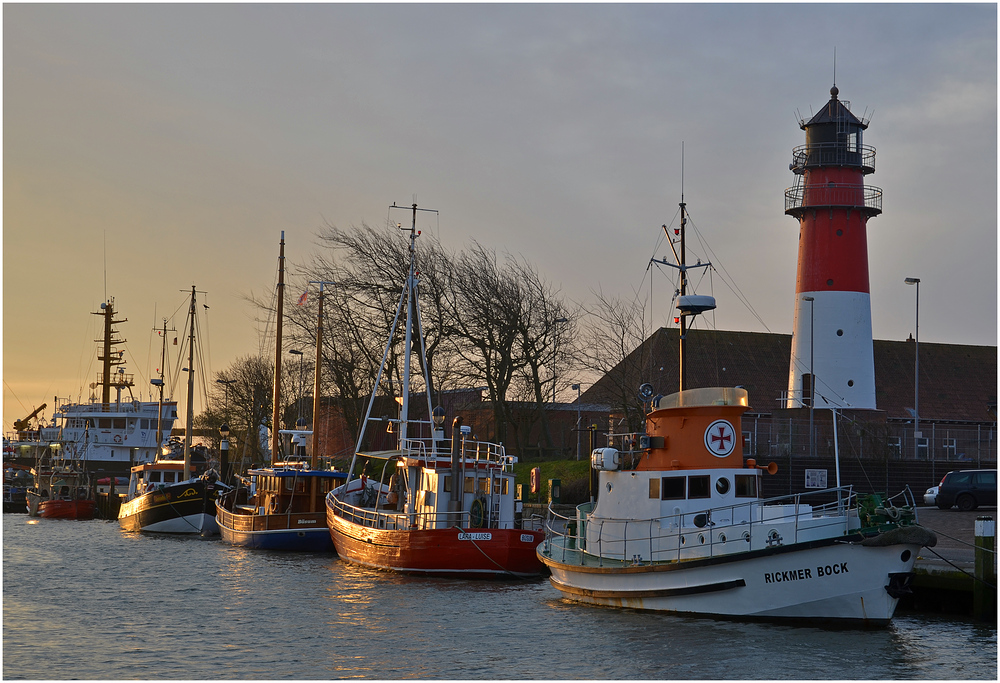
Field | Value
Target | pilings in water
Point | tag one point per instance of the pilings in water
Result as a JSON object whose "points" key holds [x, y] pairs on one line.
{"points": [[984, 591]]}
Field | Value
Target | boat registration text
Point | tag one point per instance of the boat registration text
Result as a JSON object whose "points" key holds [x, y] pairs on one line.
{"points": [[475, 536]]}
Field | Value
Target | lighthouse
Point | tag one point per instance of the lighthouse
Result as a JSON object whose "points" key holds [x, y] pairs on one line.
{"points": [[832, 361]]}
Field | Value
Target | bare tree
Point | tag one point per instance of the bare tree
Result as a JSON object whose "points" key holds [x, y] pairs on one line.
{"points": [[612, 330]]}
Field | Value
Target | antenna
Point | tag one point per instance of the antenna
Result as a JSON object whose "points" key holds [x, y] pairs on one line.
{"points": [[835, 65]]}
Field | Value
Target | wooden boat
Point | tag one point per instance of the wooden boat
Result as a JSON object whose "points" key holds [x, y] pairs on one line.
{"points": [[679, 524], [281, 507], [437, 509]]}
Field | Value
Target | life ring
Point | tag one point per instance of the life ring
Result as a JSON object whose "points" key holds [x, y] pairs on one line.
{"points": [[118, 438], [477, 514]]}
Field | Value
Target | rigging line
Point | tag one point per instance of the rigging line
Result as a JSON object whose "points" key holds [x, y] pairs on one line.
{"points": [[727, 278]]}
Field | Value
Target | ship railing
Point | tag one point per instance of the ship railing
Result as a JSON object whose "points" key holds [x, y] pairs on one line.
{"points": [[704, 534], [381, 519], [472, 451]]}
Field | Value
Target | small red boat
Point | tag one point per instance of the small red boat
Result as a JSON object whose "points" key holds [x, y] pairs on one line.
{"points": [[62, 493]]}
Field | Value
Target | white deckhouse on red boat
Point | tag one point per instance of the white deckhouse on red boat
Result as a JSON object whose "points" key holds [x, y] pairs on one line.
{"points": [[679, 524]]}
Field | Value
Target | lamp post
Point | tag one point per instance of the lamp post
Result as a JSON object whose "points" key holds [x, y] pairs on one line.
{"points": [[812, 377], [298, 393], [557, 320], [577, 387], [916, 371], [224, 451]]}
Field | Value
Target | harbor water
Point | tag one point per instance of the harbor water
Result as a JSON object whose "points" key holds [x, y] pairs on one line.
{"points": [[85, 600]]}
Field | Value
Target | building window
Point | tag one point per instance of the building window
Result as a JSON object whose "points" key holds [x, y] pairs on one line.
{"points": [[950, 447], [895, 446]]}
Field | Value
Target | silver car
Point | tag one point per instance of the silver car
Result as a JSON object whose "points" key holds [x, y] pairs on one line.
{"points": [[930, 495]]}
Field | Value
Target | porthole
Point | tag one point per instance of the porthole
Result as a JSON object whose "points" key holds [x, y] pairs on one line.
{"points": [[840, 333], [829, 283], [683, 540], [905, 556], [840, 233], [850, 382], [722, 485], [609, 487], [722, 538], [701, 538]]}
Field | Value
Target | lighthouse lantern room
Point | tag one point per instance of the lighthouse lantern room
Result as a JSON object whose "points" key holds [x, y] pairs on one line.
{"points": [[832, 362]]}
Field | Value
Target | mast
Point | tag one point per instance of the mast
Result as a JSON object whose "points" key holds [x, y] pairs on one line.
{"points": [[316, 384], [190, 393], [411, 288], [108, 357], [276, 396], [686, 305], [159, 383]]}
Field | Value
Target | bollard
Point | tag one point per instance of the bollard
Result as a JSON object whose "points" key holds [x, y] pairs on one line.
{"points": [[984, 593]]}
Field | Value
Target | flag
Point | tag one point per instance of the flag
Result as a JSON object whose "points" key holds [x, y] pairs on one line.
{"points": [[302, 299]]}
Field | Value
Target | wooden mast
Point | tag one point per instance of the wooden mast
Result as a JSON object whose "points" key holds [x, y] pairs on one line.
{"points": [[276, 396]]}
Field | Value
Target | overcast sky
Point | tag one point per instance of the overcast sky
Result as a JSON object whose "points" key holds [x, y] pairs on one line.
{"points": [[151, 147]]}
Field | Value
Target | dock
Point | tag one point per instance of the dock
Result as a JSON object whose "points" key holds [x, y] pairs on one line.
{"points": [[945, 578]]}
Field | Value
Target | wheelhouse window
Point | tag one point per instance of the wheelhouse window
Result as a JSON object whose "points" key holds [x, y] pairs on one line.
{"points": [[673, 488], [153, 476], [698, 487], [746, 485], [168, 477]]}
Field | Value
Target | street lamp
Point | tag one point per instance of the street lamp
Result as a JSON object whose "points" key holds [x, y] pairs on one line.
{"points": [[577, 387], [224, 451], [557, 320], [298, 395], [812, 377], [916, 371]]}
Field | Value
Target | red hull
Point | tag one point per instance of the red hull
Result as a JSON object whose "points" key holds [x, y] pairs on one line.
{"points": [[67, 509], [471, 553]]}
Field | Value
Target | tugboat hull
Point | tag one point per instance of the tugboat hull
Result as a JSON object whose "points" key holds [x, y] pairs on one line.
{"points": [[834, 580]]}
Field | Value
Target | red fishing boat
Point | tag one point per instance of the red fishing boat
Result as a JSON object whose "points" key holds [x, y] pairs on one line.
{"points": [[63, 492], [438, 508]]}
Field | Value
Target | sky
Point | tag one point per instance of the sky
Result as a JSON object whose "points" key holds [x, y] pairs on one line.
{"points": [[149, 148]]}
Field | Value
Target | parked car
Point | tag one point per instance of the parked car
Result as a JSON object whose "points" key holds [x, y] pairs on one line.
{"points": [[968, 489], [930, 495]]}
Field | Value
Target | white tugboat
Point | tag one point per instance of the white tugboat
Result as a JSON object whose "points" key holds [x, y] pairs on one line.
{"points": [[679, 524]]}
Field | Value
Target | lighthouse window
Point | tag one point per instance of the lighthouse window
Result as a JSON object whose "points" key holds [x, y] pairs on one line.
{"points": [[698, 487], [673, 488]]}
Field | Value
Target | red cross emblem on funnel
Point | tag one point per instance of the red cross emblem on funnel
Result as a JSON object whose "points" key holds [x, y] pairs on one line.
{"points": [[720, 438]]}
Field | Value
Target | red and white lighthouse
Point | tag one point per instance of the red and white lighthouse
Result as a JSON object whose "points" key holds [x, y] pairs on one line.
{"points": [[832, 358]]}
